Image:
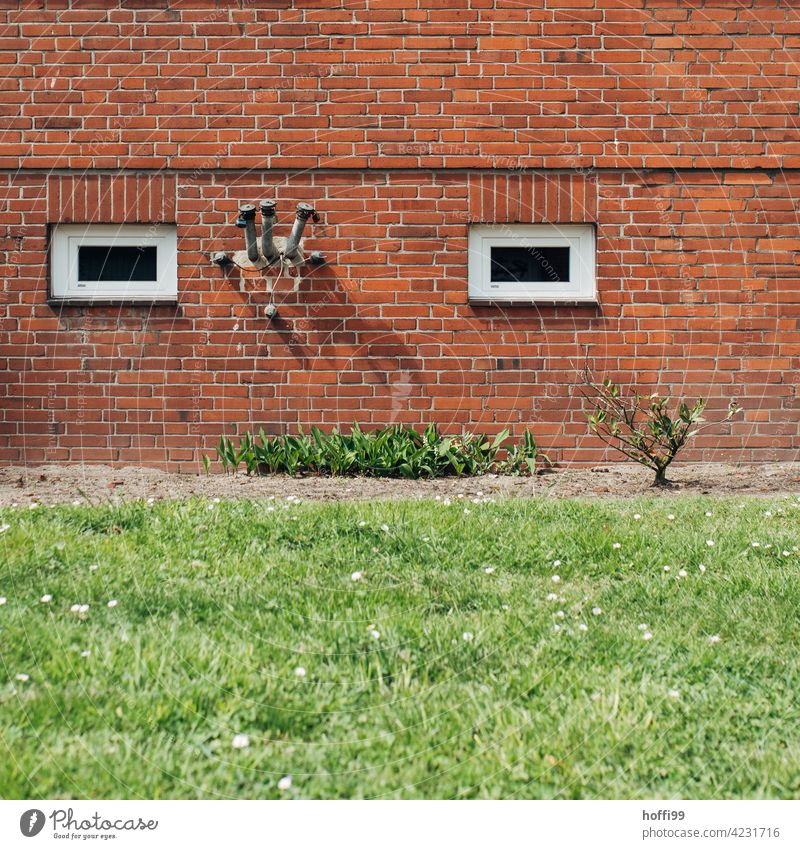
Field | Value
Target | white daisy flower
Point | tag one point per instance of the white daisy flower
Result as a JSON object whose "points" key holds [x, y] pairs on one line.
{"points": [[556, 579], [755, 544], [583, 626], [362, 524], [112, 603], [33, 505], [446, 502], [240, 741], [466, 510], [76, 503], [285, 783], [22, 676], [83, 608], [710, 543], [560, 614], [785, 553], [768, 513], [637, 515], [94, 567], [617, 545], [300, 672], [467, 636], [356, 576], [673, 694], [714, 638], [667, 568], [641, 626], [596, 611], [3, 600], [670, 516], [385, 528], [75, 608], [708, 514], [376, 635], [46, 598], [489, 570], [85, 653], [647, 636], [702, 567], [556, 627], [556, 564], [4, 528], [551, 596], [504, 607], [682, 573]]}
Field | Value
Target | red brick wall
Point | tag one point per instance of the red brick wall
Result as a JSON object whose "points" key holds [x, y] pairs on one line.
{"points": [[673, 128]]}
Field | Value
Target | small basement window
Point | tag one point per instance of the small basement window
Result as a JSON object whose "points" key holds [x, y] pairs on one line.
{"points": [[526, 263], [110, 262]]}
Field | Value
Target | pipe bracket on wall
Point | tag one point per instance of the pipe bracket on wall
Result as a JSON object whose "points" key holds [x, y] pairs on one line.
{"points": [[283, 252]]}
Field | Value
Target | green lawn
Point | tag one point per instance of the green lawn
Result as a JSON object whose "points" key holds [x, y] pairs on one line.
{"points": [[446, 670]]}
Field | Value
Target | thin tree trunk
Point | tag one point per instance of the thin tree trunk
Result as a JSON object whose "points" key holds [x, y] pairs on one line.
{"points": [[661, 477]]}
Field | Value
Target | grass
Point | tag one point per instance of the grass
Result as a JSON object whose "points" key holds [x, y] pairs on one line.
{"points": [[218, 604]]}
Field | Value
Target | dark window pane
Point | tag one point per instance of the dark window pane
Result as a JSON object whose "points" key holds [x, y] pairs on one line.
{"points": [[530, 265], [101, 262]]}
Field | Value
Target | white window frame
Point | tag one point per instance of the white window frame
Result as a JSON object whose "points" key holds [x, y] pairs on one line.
{"points": [[66, 239], [580, 238]]}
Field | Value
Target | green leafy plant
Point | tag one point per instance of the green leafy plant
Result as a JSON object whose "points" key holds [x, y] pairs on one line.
{"points": [[522, 457], [398, 451], [641, 426]]}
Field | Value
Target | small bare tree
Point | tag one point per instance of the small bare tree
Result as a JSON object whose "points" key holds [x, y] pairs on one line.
{"points": [[641, 427]]}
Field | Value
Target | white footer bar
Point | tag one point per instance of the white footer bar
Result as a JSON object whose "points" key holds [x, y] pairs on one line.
{"points": [[400, 825]]}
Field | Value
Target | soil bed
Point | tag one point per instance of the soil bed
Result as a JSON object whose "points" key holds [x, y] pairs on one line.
{"points": [[96, 483]]}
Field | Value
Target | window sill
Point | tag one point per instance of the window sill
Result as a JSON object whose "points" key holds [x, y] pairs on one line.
{"points": [[546, 302], [112, 302]]}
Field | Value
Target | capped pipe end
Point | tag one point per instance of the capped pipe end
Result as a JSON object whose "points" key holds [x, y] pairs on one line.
{"points": [[247, 212], [305, 211], [270, 311], [316, 258], [221, 259], [268, 207]]}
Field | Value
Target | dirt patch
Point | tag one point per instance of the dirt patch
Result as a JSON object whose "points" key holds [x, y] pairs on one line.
{"points": [[97, 483]]}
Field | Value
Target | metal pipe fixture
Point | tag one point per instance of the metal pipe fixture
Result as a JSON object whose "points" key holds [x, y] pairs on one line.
{"points": [[267, 220], [247, 220], [304, 212]]}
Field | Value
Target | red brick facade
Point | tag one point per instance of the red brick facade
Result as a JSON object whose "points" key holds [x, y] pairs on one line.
{"points": [[672, 126]]}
